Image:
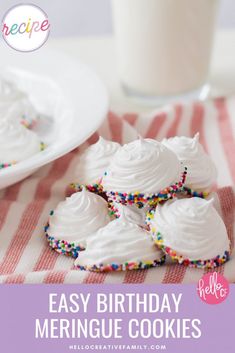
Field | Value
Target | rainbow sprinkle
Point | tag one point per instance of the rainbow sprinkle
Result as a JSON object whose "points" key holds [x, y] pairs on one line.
{"points": [[141, 199], [95, 188], [113, 211], [27, 124], [190, 192], [127, 266], [208, 264], [42, 146], [62, 246], [149, 216], [6, 165]]}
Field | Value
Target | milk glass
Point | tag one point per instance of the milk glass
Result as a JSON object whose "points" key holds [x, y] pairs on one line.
{"points": [[164, 47]]}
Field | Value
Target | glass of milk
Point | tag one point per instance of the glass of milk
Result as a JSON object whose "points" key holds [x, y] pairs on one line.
{"points": [[164, 47]]}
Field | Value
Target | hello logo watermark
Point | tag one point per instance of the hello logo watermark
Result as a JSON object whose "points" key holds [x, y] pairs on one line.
{"points": [[25, 27], [213, 288]]}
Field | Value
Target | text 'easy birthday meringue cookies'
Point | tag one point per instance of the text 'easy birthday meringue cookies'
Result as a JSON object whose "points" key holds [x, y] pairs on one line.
{"points": [[74, 220], [17, 143], [143, 171], [119, 246], [202, 172], [191, 232]]}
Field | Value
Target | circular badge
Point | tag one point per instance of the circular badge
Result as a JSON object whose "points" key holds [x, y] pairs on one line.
{"points": [[213, 288], [25, 27]]}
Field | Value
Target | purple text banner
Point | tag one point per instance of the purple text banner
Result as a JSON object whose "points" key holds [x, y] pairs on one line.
{"points": [[109, 318]]}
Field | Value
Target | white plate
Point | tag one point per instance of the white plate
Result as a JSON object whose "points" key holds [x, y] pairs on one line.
{"points": [[63, 89]]}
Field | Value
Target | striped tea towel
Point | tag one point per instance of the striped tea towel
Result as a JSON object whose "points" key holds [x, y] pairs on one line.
{"points": [[24, 254]]}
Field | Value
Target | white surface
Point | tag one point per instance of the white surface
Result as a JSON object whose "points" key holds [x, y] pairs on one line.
{"points": [[100, 54], [67, 92], [93, 17]]}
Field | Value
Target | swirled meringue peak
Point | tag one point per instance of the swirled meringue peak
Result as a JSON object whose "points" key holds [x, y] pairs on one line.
{"points": [[191, 231], [14, 104], [142, 165], [79, 216], [9, 93], [16, 142], [120, 245], [133, 214], [95, 160], [201, 169]]}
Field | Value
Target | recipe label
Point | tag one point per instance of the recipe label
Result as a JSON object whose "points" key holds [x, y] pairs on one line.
{"points": [[25, 27]]}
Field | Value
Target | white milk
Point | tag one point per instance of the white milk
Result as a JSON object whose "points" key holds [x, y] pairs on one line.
{"points": [[164, 46]]}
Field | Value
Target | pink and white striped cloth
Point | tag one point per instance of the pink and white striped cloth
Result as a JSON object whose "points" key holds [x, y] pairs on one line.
{"points": [[24, 254]]}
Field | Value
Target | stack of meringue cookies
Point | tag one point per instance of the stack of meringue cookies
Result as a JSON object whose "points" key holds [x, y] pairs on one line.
{"points": [[133, 205], [17, 118]]}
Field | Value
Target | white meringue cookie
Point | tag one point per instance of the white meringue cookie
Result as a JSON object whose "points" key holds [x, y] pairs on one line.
{"points": [[80, 215], [14, 104], [133, 214], [16, 142], [95, 160], [201, 169], [143, 165], [191, 227], [119, 242], [9, 93]]}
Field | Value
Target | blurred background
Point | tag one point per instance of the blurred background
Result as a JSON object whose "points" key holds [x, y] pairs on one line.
{"points": [[93, 17]]}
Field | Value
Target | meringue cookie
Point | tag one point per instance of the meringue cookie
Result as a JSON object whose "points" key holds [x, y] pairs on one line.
{"points": [[119, 243], [80, 215], [16, 142], [133, 214], [192, 228], [14, 104], [95, 160], [143, 165], [201, 169]]}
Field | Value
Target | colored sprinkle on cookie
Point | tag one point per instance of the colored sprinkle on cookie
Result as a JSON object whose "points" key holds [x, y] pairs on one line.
{"points": [[127, 266]]}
